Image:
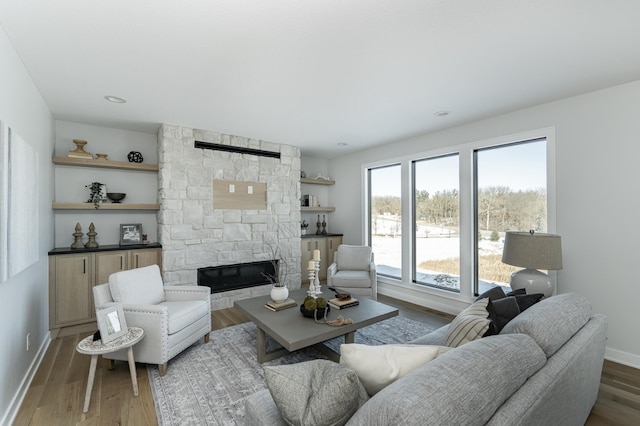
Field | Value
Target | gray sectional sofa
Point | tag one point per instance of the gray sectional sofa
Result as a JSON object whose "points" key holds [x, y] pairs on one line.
{"points": [[542, 369]]}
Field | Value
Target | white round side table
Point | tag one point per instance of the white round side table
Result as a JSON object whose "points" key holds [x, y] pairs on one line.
{"points": [[88, 347]]}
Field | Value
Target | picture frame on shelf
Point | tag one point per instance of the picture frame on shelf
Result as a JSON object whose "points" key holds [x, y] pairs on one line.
{"points": [[130, 234], [111, 323]]}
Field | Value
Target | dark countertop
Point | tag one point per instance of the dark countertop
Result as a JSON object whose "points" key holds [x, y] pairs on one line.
{"points": [[69, 250], [314, 235]]}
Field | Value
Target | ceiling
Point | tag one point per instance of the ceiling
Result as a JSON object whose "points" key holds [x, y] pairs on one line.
{"points": [[317, 73]]}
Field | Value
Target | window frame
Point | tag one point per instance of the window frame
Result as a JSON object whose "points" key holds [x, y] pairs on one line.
{"points": [[468, 227]]}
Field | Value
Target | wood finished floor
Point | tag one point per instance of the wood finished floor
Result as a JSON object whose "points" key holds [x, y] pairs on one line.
{"points": [[56, 394]]}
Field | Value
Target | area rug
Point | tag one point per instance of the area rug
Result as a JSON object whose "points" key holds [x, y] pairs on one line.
{"points": [[208, 383]]}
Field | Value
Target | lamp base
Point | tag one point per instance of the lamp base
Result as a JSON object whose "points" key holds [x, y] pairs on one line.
{"points": [[533, 281]]}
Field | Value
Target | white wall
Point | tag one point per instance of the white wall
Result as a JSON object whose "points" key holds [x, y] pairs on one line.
{"points": [[24, 297], [140, 187], [597, 150]]}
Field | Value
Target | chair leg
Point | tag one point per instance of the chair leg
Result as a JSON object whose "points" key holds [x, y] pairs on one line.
{"points": [[109, 363], [162, 368], [206, 337]]}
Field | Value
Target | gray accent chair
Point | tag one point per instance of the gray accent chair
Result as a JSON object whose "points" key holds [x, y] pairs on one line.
{"points": [[173, 317], [354, 271]]}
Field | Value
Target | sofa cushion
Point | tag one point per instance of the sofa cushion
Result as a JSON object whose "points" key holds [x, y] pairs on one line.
{"points": [[464, 386], [185, 313], [552, 321], [353, 258], [352, 279], [379, 366], [140, 286], [318, 392], [469, 325]]}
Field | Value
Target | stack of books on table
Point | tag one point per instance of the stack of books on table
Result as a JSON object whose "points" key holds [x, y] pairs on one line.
{"points": [[278, 306], [343, 304]]}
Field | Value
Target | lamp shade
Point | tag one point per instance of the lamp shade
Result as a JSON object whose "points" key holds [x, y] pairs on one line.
{"points": [[533, 251]]}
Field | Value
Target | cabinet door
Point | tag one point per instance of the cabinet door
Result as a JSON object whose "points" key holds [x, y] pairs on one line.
{"points": [[109, 262], [146, 257], [308, 246], [73, 300]]}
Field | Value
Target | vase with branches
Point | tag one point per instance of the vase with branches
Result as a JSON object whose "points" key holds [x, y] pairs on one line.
{"points": [[278, 279]]}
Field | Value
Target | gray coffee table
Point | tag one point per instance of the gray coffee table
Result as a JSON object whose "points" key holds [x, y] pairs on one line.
{"points": [[293, 331]]}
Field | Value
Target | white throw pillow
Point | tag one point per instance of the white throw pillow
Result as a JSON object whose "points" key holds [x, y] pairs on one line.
{"points": [[469, 325], [379, 366]]}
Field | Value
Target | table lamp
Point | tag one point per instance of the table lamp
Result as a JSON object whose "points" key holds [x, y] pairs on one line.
{"points": [[532, 251]]}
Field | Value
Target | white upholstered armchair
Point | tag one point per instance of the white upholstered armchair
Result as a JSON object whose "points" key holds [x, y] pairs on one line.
{"points": [[173, 317], [354, 271]]}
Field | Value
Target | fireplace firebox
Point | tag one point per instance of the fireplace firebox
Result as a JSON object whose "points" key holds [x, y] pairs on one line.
{"points": [[236, 276]]}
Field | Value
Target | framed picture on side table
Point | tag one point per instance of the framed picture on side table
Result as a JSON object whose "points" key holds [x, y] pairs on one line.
{"points": [[111, 323], [130, 233]]}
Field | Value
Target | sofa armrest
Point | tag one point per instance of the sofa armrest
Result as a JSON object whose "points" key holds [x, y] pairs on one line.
{"points": [[178, 293], [154, 320], [373, 275], [143, 314], [331, 271], [436, 337]]}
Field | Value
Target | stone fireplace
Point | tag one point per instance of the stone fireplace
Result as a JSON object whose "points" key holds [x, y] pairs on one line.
{"points": [[196, 235]]}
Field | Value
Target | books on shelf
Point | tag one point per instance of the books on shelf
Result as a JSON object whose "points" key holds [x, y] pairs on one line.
{"points": [[278, 306], [343, 304]]}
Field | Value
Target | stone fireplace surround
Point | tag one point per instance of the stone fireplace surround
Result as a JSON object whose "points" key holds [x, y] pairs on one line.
{"points": [[194, 234]]}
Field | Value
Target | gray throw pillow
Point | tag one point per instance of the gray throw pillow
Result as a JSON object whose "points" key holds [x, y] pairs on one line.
{"points": [[318, 392], [494, 293]]}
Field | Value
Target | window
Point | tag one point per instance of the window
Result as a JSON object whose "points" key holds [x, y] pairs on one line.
{"points": [[437, 222], [455, 205], [511, 195], [385, 219]]}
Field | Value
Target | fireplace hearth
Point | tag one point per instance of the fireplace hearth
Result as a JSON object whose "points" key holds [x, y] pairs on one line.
{"points": [[236, 276]]}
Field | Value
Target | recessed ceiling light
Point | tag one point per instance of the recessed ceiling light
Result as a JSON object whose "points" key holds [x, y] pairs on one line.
{"points": [[115, 99], [342, 144], [442, 113]]}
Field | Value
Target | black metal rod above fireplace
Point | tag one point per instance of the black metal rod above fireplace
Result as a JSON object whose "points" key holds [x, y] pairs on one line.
{"points": [[236, 149]]}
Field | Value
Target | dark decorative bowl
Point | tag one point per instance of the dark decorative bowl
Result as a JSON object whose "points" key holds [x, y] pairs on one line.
{"points": [[310, 314], [116, 197]]}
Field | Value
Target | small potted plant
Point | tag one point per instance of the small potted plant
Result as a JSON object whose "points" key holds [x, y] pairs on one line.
{"points": [[303, 227], [278, 280]]}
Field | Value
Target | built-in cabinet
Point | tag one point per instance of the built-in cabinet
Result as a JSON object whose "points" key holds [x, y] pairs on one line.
{"points": [[327, 244], [73, 273]]}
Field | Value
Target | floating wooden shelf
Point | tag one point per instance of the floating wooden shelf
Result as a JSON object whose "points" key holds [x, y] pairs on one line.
{"points": [[104, 206], [317, 209], [317, 181], [107, 164]]}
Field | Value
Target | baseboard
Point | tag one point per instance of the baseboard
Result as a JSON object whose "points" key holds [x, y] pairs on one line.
{"points": [[16, 402], [623, 358]]}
